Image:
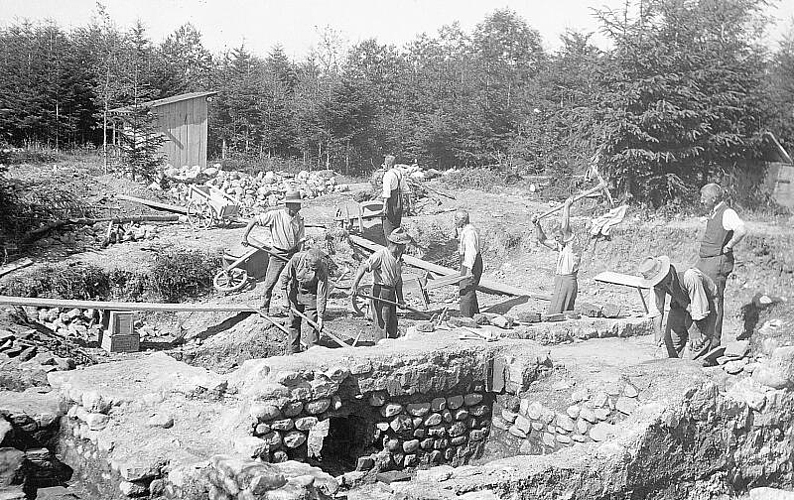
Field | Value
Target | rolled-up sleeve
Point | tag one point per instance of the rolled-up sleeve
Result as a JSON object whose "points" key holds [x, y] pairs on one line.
{"points": [[731, 220], [322, 292], [656, 299]]}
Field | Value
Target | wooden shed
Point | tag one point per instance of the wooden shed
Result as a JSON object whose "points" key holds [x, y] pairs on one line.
{"points": [[780, 171], [182, 120]]}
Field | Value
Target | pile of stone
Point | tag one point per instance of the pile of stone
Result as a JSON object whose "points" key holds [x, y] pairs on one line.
{"points": [[235, 478], [120, 233], [541, 430], [27, 348], [735, 358], [259, 191], [83, 324]]}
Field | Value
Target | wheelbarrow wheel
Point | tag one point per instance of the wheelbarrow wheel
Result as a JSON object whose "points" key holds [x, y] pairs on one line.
{"points": [[230, 280], [360, 304], [199, 215]]}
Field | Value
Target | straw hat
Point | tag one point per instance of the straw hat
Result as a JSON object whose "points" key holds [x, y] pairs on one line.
{"points": [[292, 198], [653, 270], [400, 237]]}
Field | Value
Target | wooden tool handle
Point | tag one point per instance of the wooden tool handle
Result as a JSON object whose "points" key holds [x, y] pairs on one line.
{"points": [[600, 187]]}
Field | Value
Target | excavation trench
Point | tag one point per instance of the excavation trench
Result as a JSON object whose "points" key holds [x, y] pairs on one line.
{"points": [[593, 419]]}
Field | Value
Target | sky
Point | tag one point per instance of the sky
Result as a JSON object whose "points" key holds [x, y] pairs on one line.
{"points": [[296, 24]]}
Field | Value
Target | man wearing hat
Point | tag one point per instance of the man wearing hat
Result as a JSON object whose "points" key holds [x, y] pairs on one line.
{"points": [[692, 296], [386, 268], [286, 235], [394, 184], [470, 264], [566, 286], [305, 285], [724, 230]]}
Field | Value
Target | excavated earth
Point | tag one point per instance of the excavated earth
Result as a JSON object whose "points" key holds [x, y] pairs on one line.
{"points": [[579, 409]]}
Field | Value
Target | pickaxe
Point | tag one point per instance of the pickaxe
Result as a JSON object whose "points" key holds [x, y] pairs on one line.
{"points": [[317, 327], [602, 186]]}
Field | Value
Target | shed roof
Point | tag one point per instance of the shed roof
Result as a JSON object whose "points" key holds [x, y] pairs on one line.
{"points": [[777, 148], [167, 100]]}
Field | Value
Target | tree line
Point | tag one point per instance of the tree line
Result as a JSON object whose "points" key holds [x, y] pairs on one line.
{"points": [[685, 91]]}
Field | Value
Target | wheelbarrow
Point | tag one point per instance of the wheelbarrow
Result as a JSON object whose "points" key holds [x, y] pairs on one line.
{"points": [[209, 206], [238, 270]]}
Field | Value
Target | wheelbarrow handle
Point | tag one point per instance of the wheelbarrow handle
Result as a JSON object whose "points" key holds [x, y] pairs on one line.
{"points": [[391, 302]]}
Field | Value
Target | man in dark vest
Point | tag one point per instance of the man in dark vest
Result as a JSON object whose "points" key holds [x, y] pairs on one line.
{"points": [[724, 230], [305, 284], [692, 296], [393, 187]]}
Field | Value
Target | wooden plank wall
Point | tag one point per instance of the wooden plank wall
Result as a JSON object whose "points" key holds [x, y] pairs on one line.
{"points": [[184, 124], [782, 175]]}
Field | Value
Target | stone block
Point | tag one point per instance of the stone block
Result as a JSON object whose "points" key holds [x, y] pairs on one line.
{"points": [[305, 423], [11, 463], [455, 402], [630, 391], [515, 431], [625, 405], [523, 424], [438, 404], [411, 446], [261, 428], [161, 420], [446, 415], [602, 431], [581, 426], [131, 489], [96, 421], [427, 444], [391, 409], [437, 431], [410, 460], [263, 412], [496, 377], [293, 439], [282, 424], [292, 408], [420, 432], [460, 414], [401, 423], [273, 439], [472, 399], [565, 422], [509, 416], [479, 410], [433, 419], [500, 423], [601, 413], [252, 447], [458, 440], [549, 440], [563, 439], [317, 406], [418, 409], [573, 411], [537, 426], [377, 399], [457, 429]]}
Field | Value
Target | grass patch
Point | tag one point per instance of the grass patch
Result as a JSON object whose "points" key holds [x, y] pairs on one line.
{"points": [[176, 275], [179, 274]]}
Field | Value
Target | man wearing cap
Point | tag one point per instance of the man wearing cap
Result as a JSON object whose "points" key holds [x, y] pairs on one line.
{"points": [[692, 296], [392, 194], [470, 264], [305, 285], [286, 234], [566, 286], [724, 230], [386, 268]]}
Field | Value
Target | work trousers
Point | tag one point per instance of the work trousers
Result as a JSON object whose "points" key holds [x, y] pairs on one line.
{"points": [[389, 226], [679, 323], [467, 290], [563, 298], [295, 323], [384, 314], [274, 268], [718, 268]]}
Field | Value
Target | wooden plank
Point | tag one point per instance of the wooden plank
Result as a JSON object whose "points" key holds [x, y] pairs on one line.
{"points": [[14, 266], [452, 279], [613, 278], [8, 300], [486, 285], [154, 204], [202, 131]]}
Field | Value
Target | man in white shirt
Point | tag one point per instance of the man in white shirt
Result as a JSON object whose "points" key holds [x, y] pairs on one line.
{"points": [[394, 185], [724, 230], [287, 233], [470, 264], [566, 285]]}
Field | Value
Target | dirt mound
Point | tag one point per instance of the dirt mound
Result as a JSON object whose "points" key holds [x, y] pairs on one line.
{"points": [[251, 338]]}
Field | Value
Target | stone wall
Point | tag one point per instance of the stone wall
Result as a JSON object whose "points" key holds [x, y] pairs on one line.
{"points": [[530, 427]]}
